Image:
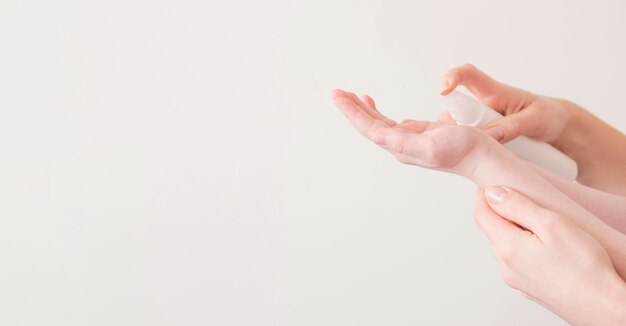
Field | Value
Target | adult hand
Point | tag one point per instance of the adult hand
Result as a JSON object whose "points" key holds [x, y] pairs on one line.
{"points": [[435, 145], [525, 113], [550, 260], [597, 148]]}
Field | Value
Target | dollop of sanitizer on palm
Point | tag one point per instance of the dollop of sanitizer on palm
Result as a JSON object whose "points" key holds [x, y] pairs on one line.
{"points": [[468, 111]]}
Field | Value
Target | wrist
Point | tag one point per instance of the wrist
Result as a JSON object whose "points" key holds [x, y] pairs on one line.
{"points": [[577, 139], [470, 165], [596, 147], [571, 140], [479, 165]]}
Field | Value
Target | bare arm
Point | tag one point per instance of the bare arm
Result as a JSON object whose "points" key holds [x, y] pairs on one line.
{"points": [[599, 150], [608, 207], [546, 257], [498, 166], [469, 152]]}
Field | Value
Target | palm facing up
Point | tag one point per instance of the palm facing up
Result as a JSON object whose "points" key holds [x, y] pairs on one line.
{"points": [[435, 145]]}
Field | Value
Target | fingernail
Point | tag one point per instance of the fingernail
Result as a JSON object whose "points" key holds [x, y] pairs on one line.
{"points": [[444, 86], [496, 195], [495, 133], [380, 137]]}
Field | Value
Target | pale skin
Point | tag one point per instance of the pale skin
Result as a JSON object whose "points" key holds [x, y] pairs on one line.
{"points": [[472, 153], [599, 149], [551, 260]]}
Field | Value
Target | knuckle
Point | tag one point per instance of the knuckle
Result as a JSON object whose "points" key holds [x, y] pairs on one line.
{"points": [[512, 129]]}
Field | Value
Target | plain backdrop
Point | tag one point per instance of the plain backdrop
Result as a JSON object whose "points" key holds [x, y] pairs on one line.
{"points": [[181, 162]]}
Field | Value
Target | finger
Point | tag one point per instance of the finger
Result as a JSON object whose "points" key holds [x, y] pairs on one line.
{"points": [[399, 140], [498, 230], [369, 110], [420, 147], [476, 81], [413, 125], [518, 208], [500, 97], [369, 101], [446, 118], [359, 119], [406, 159], [512, 126]]}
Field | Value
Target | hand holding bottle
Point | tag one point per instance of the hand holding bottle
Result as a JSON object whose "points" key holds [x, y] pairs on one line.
{"points": [[598, 149], [469, 152], [528, 114]]}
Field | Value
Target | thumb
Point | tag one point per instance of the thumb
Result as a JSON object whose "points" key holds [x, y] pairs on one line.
{"points": [[521, 210], [511, 126]]}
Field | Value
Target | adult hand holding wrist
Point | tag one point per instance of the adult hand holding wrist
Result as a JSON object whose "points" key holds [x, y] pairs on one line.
{"points": [[551, 260]]}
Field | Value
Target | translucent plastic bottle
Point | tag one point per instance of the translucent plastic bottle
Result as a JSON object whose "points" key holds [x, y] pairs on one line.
{"points": [[468, 111]]}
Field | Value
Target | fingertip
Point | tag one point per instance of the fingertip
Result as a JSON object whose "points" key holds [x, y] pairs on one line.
{"points": [[448, 85], [445, 88], [369, 101], [345, 105], [336, 93], [485, 217]]}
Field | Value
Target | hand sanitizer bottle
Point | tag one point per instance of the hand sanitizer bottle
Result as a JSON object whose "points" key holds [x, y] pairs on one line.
{"points": [[468, 111]]}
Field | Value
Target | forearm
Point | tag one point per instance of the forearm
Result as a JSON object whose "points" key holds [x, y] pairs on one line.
{"points": [[599, 150], [608, 207], [495, 165]]}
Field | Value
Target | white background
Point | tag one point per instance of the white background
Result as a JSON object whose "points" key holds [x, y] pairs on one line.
{"points": [[181, 163]]}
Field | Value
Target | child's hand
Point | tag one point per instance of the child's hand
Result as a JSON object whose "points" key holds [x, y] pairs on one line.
{"points": [[435, 145]]}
